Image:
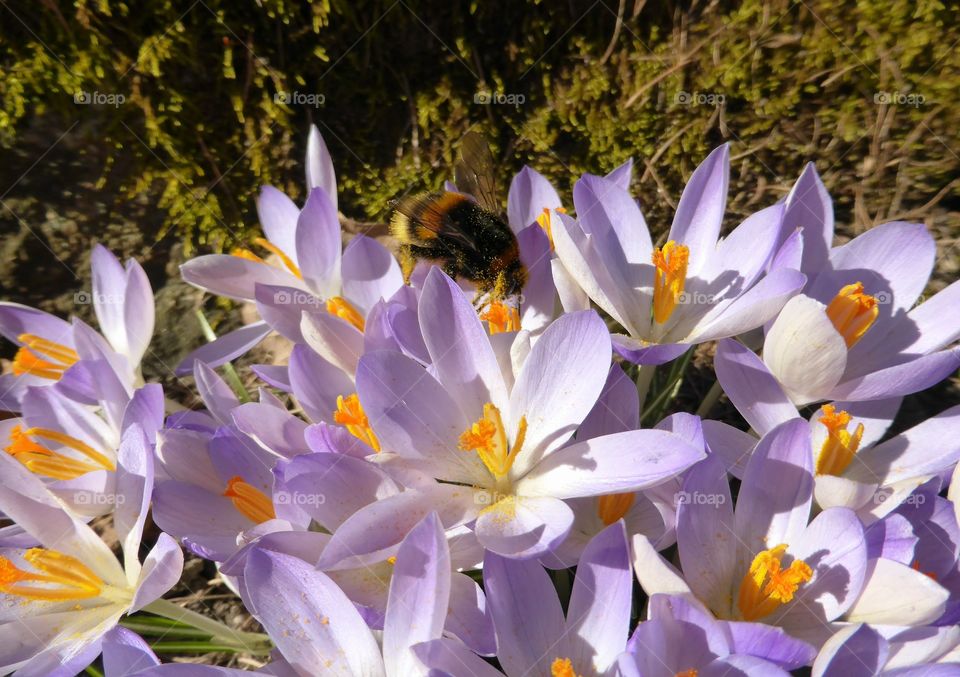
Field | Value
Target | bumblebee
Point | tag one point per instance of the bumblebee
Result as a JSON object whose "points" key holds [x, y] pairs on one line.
{"points": [[464, 233]]}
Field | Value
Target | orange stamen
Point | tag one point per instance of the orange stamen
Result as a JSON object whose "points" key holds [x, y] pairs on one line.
{"points": [[669, 277], [852, 312], [249, 501]]}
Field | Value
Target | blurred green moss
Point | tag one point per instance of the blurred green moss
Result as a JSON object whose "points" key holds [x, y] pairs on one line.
{"points": [[866, 90]]}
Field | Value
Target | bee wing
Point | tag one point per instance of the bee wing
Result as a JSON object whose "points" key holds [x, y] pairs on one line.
{"points": [[474, 172], [428, 211]]}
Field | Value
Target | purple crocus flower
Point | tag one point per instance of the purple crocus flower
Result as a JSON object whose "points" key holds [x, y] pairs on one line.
{"points": [[72, 355], [859, 650], [682, 638], [61, 598], [313, 623], [696, 287], [533, 634], [495, 440], [334, 287], [126, 654], [854, 334], [765, 561], [853, 468]]}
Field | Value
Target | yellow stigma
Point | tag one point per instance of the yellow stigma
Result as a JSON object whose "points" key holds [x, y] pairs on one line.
{"points": [[612, 507], [488, 438], [501, 318], [669, 276], [544, 222], [767, 585], [339, 306], [562, 667], [852, 312], [249, 501], [60, 578], [40, 357], [692, 672], [273, 249], [351, 415], [44, 461], [838, 449]]}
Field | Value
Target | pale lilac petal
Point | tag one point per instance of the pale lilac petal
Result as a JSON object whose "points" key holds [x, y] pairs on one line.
{"points": [[316, 383], [462, 357], [123, 303], [372, 534], [274, 375], [751, 387], [572, 297], [598, 616], [134, 484], [790, 253], [613, 220], [526, 614], [539, 294], [145, 409], [125, 653], [855, 651], [900, 254], [225, 348], [469, 618], [810, 209], [17, 319], [282, 308], [559, 383], [207, 521], [450, 657], [318, 244], [731, 445], [45, 408], [919, 600], [622, 175], [183, 456], [161, 571], [218, 397], [524, 527], [760, 304], [769, 643], [530, 193], [616, 410], [804, 351], [419, 595], [654, 573], [233, 276], [370, 273], [640, 352], [705, 534], [335, 340], [928, 321], [278, 218], [274, 429], [774, 501], [319, 166], [284, 592], [700, 211], [902, 379], [627, 461], [415, 417], [747, 250]]}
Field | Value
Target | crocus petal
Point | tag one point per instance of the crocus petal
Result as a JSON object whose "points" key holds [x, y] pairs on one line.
{"points": [[134, 484], [219, 399], [751, 387], [774, 502], [700, 210], [17, 319], [126, 653], [616, 410], [278, 219], [902, 379], [530, 193], [318, 244], [284, 592], [448, 656], [274, 429], [462, 357], [183, 456], [804, 351], [319, 166], [524, 527], [918, 599], [207, 520], [539, 293], [370, 273], [622, 175], [233, 276], [419, 595], [627, 461], [316, 383], [225, 348], [160, 572], [731, 445], [526, 613], [123, 303], [599, 612], [333, 339], [769, 643], [856, 650], [145, 409], [932, 331], [282, 308], [575, 349], [810, 209], [705, 534], [571, 295], [639, 351], [654, 573], [469, 618]]}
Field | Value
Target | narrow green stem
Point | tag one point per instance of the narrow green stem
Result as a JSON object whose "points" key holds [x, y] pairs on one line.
{"points": [[644, 379], [670, 389], [230, 374], [246, 641], [710, 399]]}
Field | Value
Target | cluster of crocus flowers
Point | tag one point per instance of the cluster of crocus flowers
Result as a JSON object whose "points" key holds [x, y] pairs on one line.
{"points": [[430, 485]]}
